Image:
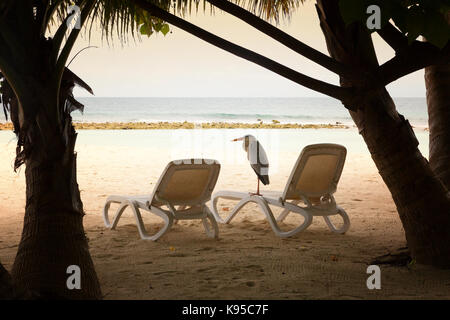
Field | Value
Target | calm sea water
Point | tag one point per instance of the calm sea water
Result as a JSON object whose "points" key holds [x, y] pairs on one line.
{"points": [[173, 144], [285, 110], [279, 144]]}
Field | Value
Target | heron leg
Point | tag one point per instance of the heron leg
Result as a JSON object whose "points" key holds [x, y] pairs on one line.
{"points": [[257, 189]]}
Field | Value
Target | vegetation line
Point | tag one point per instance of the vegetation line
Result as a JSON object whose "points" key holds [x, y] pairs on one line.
{"points": [[191, 125]]}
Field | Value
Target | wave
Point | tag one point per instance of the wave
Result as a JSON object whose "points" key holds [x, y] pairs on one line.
{"points": [[264, 116], [292, 110], [217, 116]]}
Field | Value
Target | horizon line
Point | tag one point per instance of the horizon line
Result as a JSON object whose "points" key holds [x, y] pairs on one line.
{"points": [[224, 97]]}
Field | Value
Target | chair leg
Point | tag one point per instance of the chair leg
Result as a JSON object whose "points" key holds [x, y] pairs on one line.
{"points": [[120, 210], [273, 223], [175, 221], [268, 212], [285, 213], [233, 213], [168, 221], [236, 209], [212, 230], [345, 218], [214, 211]]}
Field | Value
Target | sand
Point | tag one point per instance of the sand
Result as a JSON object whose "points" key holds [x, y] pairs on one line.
{"points": [[248, 261]]}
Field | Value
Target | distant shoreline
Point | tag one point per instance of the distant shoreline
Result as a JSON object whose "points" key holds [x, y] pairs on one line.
{"points": [[191, 125]]}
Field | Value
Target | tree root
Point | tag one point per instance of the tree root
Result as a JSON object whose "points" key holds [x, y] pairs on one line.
{"points": [[399, 258]]}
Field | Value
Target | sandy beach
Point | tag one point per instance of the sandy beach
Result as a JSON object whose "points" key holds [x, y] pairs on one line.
{"points": [[247, 261]]}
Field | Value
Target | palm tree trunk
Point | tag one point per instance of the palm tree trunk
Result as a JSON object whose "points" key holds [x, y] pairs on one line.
{"points": [[6, 286], [437, 81], [53, 237], [420, 197]]}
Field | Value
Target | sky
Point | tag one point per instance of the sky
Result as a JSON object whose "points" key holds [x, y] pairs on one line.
{"points": [[181, 65]]}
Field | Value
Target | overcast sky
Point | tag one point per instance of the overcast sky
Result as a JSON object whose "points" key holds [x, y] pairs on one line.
{"points": [[180, 65]]}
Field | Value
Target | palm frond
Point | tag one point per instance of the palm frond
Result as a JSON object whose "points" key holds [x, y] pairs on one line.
{"points": [[271, 10], [123, 18]]}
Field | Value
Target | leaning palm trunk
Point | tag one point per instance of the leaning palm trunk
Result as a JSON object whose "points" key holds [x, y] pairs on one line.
{"points": [[437, 81], [419, 195]]}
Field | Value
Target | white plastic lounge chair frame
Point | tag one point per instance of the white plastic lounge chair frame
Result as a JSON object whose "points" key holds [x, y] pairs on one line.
{"points": [[313, 181], [186, 183]]}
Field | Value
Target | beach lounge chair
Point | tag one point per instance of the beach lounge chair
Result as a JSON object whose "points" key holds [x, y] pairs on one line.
{"points": [[180, 194], [313, 181]]}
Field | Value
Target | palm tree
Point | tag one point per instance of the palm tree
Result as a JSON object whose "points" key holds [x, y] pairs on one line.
{"points": [[437, 81], [420, 197], [36, 90], [6, 286]]}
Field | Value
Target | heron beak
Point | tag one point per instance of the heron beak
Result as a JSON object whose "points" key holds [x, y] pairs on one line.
{"points": [[238, 139]]}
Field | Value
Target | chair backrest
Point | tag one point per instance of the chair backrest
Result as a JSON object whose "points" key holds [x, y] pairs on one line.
{"points": [[186, 182], [316, 172]]}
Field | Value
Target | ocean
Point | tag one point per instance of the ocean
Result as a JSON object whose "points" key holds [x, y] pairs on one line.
{"points": [[216, 143], [248, 110], [151, 145]]}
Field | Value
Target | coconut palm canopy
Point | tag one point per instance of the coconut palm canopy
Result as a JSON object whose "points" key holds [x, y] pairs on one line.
{"points": [[124, 16], [36, 18], [412, 17]]}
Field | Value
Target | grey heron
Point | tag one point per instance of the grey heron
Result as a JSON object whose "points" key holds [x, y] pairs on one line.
{"points": [[257, 158]]}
